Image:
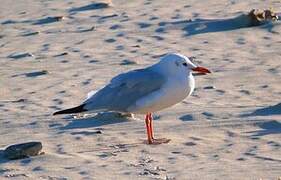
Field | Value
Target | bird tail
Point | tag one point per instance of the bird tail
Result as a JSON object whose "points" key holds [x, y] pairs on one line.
{"points": [[77, 109]]}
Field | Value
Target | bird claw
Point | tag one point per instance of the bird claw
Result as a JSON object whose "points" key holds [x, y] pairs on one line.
{"points": [[158, 141]]}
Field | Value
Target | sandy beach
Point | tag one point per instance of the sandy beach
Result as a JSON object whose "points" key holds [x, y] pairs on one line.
{"points": [[52, 53]]}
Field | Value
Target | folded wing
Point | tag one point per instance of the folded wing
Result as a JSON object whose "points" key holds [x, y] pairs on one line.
{"points": [[124, 90]]}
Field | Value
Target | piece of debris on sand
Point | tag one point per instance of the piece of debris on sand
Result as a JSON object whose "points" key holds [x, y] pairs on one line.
{"points": [[259, 17], [23, 150]]}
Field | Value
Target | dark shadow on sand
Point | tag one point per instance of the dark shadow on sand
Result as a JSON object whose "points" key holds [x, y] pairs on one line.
{"points": [[270, 127], [267, 111], [186, 117], [2, 159], [96, 121], [201, 26], [92, 6], [47, 20], [42, 21]]}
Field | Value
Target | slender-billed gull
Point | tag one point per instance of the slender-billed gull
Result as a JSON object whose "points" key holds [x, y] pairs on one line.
{"points": [[144, 91]]}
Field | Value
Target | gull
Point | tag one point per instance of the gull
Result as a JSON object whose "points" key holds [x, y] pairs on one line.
{"points": [[145, 91]]}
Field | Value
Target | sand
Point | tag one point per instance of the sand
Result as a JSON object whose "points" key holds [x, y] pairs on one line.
{"points": [[230, 128]]}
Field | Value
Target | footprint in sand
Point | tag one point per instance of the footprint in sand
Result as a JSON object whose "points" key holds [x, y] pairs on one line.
{"points": [[158, 38], [36, 73], [241, 41], [93, 61], [172, 160], [190, 143], [220, 91], [160, 30], [86, 82], [176, 152], [267, 38], [152, 18], [115, 26], [61, 54], [147, 3], [143, 25], [20, 55], [86, 56], [38, 168], [83, 173], [87, 133], [241, 159], [119, 47], [127, 62], [89, 7], [110, 40], [60, 149], [273, 70], [246, 92], [264, 86], [274, 144], [208, 115], [186, 117], [251, 151]]}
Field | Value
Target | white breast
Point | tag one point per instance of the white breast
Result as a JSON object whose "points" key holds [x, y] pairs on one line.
{"points": [[172, 92]]}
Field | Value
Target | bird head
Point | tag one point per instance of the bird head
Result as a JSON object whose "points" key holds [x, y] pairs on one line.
{"points": [[175, 63]]}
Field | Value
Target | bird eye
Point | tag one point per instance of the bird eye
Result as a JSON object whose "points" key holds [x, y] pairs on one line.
{"points": [[185, 64]]}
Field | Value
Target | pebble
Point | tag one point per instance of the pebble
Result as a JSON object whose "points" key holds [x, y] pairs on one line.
{"points": [[23, 150]]}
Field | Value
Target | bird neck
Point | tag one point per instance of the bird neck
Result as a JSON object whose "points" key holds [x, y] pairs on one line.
{"points": [[191, 83]]}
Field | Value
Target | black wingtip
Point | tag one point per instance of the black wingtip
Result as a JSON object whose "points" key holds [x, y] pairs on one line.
{"points": [[74, 110]]}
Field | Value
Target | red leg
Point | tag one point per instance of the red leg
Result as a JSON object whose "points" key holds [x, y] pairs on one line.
{"points": [[148, 130], [150, 125], [151, 139]]}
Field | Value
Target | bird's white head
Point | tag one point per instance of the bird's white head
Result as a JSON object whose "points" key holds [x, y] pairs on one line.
{"points": [[175, 63]]}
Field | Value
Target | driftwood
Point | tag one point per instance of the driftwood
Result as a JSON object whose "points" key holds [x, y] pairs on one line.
{"points": [[258, 17]]}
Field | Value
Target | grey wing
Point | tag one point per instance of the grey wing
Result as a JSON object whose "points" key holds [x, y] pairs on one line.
{"points": [[124, 90]]}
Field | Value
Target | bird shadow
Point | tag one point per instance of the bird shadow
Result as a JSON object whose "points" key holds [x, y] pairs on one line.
{"points": [[267, 128], [2, 158], [266, 111], [96, 121]]}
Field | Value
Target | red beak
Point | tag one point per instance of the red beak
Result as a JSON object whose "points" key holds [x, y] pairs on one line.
{"points": [[201, 70]]}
